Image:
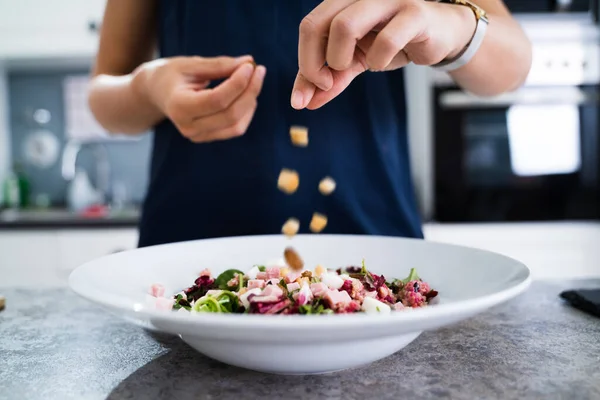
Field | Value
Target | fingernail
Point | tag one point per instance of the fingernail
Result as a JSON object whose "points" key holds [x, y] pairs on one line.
{"points": [[297, 99], [247, 70], [261, 71]]}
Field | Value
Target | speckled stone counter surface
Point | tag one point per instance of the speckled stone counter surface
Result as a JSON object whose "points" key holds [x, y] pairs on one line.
{"points": [[54, 345]]}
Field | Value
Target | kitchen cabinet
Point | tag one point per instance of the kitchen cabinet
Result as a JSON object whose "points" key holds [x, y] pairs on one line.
{"points": [[551, 250], [80, 246], [47, 257], [34, 29], [28, 257]]}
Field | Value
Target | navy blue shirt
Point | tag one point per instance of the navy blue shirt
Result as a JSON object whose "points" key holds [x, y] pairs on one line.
{"points": [[229, 188]]}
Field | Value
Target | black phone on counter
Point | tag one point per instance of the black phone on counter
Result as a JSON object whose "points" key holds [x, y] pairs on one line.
{"points": [[587, 300]]}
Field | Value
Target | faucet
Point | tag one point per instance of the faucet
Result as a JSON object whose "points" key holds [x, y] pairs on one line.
{"points": [[69, 162]]}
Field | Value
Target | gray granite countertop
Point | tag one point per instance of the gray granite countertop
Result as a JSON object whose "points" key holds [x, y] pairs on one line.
{"points": [[55, 345]]}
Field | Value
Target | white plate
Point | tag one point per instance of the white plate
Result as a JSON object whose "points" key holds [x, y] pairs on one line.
{"points": [[469, 281]]}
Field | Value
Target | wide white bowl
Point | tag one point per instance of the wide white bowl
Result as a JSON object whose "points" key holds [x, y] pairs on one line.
{"points": [[469, 281]]}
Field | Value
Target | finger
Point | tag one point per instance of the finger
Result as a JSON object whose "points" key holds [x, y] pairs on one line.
{"points": [[302, 92], [341, 81], [352, 24], [400, 60], [366, 42], [207, 68], [211, 101], [312, 43], [199, 85], [231, 116], [238, 129], [405, 27]]}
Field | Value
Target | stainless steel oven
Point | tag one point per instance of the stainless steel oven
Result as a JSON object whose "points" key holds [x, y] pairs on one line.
{"points": [[529, 155]]}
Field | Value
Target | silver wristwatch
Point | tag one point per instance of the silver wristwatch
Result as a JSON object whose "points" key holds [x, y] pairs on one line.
{"points": [[471, 48]]}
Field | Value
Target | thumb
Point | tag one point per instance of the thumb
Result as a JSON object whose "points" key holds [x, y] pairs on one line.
{"points": [[207, 68]]}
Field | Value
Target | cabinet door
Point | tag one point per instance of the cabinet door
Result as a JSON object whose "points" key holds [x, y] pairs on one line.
{"points": [[28, 258], [58, 28], [80, 246]]}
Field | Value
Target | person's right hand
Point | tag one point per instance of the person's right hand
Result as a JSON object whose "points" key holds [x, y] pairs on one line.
{"points": [[177, 87]]}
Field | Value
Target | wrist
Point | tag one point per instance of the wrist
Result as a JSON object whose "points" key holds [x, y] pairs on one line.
{"points": [[464, 23], [140, 86]]}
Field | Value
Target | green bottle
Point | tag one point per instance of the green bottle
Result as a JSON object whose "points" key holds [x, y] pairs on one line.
{"points": [[16, 189]]}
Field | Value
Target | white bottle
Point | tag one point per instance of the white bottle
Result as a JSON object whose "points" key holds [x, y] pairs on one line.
{"points": [[81, 194]]}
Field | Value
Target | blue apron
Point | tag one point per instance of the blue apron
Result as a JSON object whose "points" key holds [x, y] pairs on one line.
{"points": [[229, 188]]}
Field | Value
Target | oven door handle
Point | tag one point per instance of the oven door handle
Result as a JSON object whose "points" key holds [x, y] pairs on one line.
{"points": [[456, 99]]}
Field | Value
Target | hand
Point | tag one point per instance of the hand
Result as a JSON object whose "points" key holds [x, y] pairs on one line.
{"points": [[341, 39], [178, 88]]}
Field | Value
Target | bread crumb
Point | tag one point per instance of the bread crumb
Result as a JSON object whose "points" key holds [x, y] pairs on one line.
{"points": [[291, 227], [326, 186], [299, 135], [318, 222], [288, 181]]}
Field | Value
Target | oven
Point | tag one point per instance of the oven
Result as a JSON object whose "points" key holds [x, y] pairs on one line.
{"points": [[529, 155], [549, 6]]}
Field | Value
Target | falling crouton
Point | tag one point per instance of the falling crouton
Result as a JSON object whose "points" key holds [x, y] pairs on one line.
{"points": [[318, 222], [288, 181], [299, 136], [326, 186], [293, 259], [291, 227]]}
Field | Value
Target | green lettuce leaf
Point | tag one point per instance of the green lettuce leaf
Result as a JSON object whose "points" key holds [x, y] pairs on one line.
{"points": [[413, 276], [314, 309], [181, 302], [221, 281], [228, 301]]}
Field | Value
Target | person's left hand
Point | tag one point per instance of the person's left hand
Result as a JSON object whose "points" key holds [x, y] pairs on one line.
{"points": [[341, 39]]}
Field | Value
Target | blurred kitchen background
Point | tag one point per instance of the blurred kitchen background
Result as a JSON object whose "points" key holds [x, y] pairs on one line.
{"points": [[70, 193]]}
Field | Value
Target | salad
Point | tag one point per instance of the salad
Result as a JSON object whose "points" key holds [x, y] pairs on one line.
{"points": [[283, 290]]}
